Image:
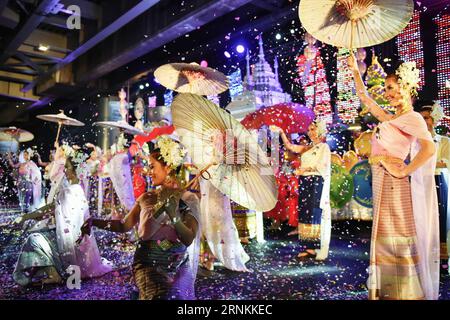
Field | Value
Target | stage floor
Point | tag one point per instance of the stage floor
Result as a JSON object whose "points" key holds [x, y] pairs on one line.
{"points": [[276, 272]]}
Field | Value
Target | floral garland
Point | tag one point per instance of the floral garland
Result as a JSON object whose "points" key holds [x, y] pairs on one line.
{"points": [[409, 77], [171, 151]]}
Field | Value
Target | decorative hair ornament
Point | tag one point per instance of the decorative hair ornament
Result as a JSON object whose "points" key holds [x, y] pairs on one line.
{"points": [[69, 152], [437, 112], [408, 77], [171, 151], [321, 127]]}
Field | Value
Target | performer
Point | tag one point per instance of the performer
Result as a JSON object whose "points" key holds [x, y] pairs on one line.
{"points": [[404, 255], [432, 113], [219, 231], [166, 258], [119, 170], [314, 211], [29, 183], [49, 253], [91, 178]]}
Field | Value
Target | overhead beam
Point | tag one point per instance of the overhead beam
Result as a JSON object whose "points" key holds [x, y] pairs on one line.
{"points": [[130, 15], [17, 70], [262, 24], [27, 28], [29, 62], [188, 23], [11, 79], [50, 59]]}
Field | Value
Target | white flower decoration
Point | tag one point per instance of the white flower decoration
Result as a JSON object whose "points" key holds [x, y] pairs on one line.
{"points": [[171, 151], [321, 127], [409, 77], [437, 112], [68, 150]]}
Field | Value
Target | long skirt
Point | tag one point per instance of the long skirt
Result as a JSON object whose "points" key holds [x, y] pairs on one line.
{"points": [[25, 188], [93, 195], [309, 211], [162, 273], [393, 273], [39, 251], [442, 193]]}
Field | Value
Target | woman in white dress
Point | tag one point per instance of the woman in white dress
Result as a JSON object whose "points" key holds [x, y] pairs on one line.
{"points": [[47, 255]]}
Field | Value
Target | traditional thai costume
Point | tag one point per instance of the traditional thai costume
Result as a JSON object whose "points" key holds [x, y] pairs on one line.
{"points": [[219, 229], [404, 254], [163, 267], [57, 247], [441, 176], [314, 211]]}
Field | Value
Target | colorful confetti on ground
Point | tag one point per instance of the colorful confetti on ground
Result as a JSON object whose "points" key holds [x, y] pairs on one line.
{"points": [[276, 271]]}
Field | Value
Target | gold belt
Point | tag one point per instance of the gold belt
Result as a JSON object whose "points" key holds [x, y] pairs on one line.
{"points": [[377, 160]]}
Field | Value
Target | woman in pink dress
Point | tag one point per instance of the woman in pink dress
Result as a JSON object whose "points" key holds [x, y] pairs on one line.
{"points": [[404, 255]]}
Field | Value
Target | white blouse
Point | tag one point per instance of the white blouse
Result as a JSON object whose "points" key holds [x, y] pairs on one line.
{"points": [[317, 158]]}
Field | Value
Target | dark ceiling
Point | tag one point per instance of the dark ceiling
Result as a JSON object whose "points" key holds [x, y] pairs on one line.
{"points": [[120, 42]]}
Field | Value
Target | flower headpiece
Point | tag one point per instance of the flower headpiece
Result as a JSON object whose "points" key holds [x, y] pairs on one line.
{"points": [[437, 112], [69, 152], [171, 151], [408, 77], [321, 127], [77, 157]]}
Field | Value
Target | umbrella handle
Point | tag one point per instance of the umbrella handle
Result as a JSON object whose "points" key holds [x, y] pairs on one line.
{"points": [[200, 174], [59, 130]]}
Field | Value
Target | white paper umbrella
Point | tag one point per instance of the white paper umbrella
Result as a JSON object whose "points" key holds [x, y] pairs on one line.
{"points": [[238, 166], [355, 23]]}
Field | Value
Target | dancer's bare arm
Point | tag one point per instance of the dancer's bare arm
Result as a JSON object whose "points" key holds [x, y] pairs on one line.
{"points": [[291, 147], [361, 91], [121, 226], [427, 150], [39, 214]]}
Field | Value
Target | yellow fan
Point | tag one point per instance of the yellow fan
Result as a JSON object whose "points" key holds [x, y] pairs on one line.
{"points": [[236, 164], [350, 158], [355, 23], [363, 144], [336, 159]]}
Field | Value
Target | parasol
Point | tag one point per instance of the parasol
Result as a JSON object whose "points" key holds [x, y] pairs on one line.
{"points": [[191, 78], [291, 117], [13, 133], [238, 167], [122, 126], [61, 119], [355, 23]]}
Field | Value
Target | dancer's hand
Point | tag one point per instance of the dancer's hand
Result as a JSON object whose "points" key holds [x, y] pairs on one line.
{"points": [[395, 170], [351, 61], [300, 171], [276, 129]]}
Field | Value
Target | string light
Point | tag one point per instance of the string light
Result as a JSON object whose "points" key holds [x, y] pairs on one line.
{"points": [[410, 45], [443, 62]]}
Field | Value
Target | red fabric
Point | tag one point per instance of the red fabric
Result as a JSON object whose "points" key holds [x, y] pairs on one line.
{"points": [[155, 133], [286, 207], [291, 117], [139, 183]]}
